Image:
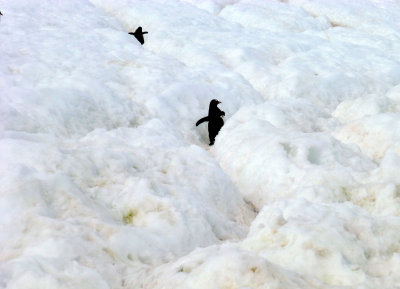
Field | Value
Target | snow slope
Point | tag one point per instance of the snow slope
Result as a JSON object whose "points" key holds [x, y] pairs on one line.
{"points": [[107, 183]]}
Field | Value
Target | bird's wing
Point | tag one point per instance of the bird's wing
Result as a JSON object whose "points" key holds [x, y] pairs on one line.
{"points": [[201, 120]]}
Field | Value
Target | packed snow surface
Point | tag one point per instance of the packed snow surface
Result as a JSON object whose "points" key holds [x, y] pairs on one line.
{"points": [[107, 183]]}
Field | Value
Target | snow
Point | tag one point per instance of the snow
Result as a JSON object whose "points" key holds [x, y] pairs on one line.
{"points": [[106, 182]]}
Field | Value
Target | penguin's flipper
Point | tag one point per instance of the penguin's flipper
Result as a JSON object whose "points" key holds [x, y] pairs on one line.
{"points": [[201, 120]]}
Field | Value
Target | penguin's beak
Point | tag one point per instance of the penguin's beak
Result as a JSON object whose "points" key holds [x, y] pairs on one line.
{"points": [[219, 101]]}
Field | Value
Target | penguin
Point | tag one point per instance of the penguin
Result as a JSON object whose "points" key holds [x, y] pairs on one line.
{"points": [[214, 118], [139, 34]]}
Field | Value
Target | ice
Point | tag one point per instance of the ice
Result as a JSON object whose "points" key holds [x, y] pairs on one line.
{"points": [[106, 182]]}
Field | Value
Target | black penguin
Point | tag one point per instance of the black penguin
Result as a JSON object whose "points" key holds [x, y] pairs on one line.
{"points": [[139, 34], [215, 121], [1, 13]]}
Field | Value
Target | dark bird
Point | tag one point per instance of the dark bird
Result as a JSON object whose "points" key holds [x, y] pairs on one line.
{"points": [[139, 34], [1, 14], [215, 121]]}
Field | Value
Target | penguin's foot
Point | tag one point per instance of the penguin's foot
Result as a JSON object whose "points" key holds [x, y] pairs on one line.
{"points": [[211, 143]]}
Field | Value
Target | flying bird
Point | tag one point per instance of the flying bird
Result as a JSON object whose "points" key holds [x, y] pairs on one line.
{"points": [[215, 121], [139, 34]]}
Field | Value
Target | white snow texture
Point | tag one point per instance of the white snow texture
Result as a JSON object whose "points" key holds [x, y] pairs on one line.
{"points": [[106, 182]]}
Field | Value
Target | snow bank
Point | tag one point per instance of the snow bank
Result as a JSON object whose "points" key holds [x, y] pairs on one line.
{"points": [[95, 158], [225, 266], [107, 183], [264, 150], [340, 243]]}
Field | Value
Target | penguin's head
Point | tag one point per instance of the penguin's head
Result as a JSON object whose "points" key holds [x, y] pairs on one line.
{"points": [[215, 102]]}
